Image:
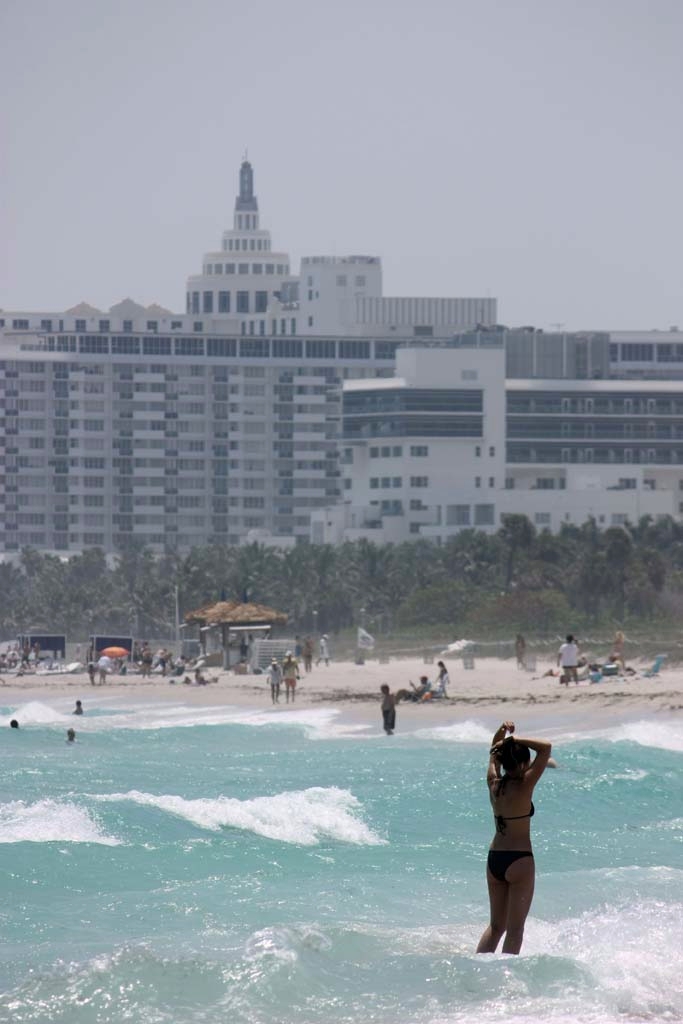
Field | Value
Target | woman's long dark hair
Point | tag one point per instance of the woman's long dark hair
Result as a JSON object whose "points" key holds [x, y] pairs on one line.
{"points": [[512, 756]]}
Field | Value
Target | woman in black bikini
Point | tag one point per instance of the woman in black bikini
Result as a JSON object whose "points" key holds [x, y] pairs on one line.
{"points": [[510, 872]]}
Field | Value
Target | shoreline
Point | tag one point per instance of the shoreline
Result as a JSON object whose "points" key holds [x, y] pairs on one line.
{"points": [[494, 689]]}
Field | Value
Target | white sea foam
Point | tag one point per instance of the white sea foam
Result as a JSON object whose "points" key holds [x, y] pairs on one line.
{"points": [[646, 732], [35, 713], [459, 732], [318, 723], [49, 821], [304, 817]]}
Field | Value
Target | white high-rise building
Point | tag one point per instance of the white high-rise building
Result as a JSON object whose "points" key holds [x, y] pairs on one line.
{"points": [[450, 444]]}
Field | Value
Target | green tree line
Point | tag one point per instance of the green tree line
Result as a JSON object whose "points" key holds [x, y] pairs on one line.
{"points": [[515, 579]]}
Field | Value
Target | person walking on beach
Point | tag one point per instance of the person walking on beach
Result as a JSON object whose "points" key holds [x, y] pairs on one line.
{"points": [[104, 665], [568, 660], [510, 870], [275, 679], [290, 673], [323, 651], [442, 680], [308, 655], [520, 651], [146, 661], [388, 707]]}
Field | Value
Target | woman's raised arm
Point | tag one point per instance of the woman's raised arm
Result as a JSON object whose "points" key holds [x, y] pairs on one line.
{"points": [[542, 749]]}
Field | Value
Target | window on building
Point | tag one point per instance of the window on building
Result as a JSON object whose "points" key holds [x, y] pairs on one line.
{"points": [[258, 348], [229, 268], [484, 515], [80, 325], [419, 450], [341, 280], [257, 268], [509, 483], [374, 482], [242, 302], [360, 281], [152, 325], [207, 302], [224, 302], [127, 326], [542, 518], [492, 451], [260, 302], [419, 481], [287, 348], [477, 481], [457, 515], [477, 451], [243, 268], [310, 321], [321, 349], [354, 349]]}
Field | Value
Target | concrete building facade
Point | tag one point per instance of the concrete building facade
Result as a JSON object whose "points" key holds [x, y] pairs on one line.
{"points": [[450, 443]]}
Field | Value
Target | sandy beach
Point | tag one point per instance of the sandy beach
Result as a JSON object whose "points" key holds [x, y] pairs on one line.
{"points": [[495, 688]]}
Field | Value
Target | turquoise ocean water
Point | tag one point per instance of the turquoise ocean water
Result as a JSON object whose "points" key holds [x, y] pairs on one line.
{"points": [[186, 864]]}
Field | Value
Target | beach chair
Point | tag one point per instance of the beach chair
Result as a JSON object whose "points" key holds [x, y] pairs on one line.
{"points": [[658, 662]]}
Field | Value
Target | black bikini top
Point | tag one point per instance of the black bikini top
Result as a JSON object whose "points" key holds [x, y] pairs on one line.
{"points": [[500, 820]]}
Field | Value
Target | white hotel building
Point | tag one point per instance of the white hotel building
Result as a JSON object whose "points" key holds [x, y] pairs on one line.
{"points": [[451, 443], [224, 423], [217, 424]]}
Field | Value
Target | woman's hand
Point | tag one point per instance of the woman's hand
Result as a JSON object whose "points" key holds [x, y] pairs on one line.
{"points": [[499, 734]]}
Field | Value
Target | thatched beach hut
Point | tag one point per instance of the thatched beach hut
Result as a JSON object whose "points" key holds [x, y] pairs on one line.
{"points": [[234, 619]]}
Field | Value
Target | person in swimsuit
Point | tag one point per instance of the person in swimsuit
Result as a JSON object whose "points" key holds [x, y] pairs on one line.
{"points": [[510, 871]]}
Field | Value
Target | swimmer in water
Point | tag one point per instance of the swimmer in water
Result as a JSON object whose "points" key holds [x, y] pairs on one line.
{"points": [[14, 724], [78, 710], [70, 735]]}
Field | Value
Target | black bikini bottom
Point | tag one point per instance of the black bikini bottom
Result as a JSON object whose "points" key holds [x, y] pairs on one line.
{"points": [[500, 860]]}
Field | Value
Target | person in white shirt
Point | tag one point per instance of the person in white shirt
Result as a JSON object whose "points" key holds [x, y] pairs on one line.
{"points": [[568, 659]]}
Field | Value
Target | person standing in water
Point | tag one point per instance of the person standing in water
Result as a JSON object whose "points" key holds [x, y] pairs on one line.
{"points": [[78, 710], [510, 871], [388, 707]]}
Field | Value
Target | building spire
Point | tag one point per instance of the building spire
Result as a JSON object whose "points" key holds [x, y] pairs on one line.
{"points": [[246, 200]]}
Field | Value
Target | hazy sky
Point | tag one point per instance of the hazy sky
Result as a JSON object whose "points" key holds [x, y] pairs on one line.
{"points": [[526, 149]]}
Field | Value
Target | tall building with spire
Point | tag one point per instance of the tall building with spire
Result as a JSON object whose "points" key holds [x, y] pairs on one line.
{"points": [[245, 279]]}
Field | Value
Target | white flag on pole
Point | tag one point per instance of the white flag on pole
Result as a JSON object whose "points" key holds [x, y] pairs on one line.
{"points": [[365, 641]]}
